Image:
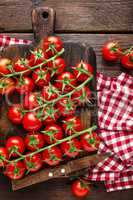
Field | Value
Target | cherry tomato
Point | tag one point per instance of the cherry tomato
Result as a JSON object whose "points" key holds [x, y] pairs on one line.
{"points": [[15, 146], [50, 92], [7, 86], [34, 141], [66, 107], [22, 64], [82, 96], [31, 100], [127, 60], [51, 114], [33, 163], [82, 71], [52, 45], [15, 170], [66, 82], [5, 65], [71, 148], [71, 124], [111, 51], [52, 156], [3, 156], [57, 66], [52, 133], [90, 142], [41, 77], [31, 122], [80, 188], [37, 57], [24, 85], [15, 114]]}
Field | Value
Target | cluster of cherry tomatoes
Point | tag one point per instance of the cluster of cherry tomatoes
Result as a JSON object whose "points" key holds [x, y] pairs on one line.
{"points": [[50, 96], [113, 52]]}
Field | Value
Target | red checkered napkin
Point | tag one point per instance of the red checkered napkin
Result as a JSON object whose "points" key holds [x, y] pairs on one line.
{"points": [[7, 41], [115, 116]]}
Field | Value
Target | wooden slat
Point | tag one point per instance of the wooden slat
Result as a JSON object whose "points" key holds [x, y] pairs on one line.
{"points": [[71, 15], [96, 41]]}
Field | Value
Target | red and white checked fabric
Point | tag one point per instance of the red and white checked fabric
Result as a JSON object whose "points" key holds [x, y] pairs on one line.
{"points": [[7, 41], [115, 116]]}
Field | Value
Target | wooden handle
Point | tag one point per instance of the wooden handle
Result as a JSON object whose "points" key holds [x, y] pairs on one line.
{"points": [[42, 22]]}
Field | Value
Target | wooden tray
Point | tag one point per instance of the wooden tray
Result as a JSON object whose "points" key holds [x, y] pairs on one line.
{"points": [[43, 24]]}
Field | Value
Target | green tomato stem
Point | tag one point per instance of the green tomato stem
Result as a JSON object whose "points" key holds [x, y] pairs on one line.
{"points": [[76, 134]]}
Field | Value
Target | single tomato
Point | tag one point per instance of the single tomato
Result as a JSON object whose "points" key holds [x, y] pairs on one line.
{"points": [[52, 156], [90, 142], [52, 45], [80, 188], [3, 156], [51, 114], [57, 66], [71, 124], [127, 60], [7, 86], [24, 85], [66, 82], [31, 100], [34, 162], [15, 170], [41, 77], [52, 133], [111, 51], [31, 122], [71, 148], [15, 146], [21, 65], [50, 92], [5, 66], [82, 96], [15, 114], [34, 141], [83, 71]]}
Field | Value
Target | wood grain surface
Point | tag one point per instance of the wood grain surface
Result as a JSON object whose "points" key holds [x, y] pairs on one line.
{"points": [[71, 15]]}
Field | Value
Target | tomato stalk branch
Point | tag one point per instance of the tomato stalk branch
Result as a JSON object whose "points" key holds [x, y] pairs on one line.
{"points": [[76, 134]]}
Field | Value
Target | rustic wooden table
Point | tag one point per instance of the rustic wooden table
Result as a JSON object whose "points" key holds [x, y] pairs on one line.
{"points": [[88, 21]]}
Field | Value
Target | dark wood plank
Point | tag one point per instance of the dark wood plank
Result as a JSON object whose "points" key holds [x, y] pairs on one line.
{"points": [[71, 15], [96, 41]]}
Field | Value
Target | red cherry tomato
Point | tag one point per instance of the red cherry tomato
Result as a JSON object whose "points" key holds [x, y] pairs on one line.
{"points": [[111, 51], [22, 64], [80, 188], [3, 156], [52, 133], [24, 85], [90, 142], [71, 148], [31, 100], [15, 114], [66, 82], [52, 45], [82, 96], [57, 66], [82, 71], [37, 57], [15, 170], [15, 146], [50, 92], [34, 141], [31, 122], [33, 163], [41, 77], [5, 64], [52, 156], [7, 86], [66, 107], [127, 60], [71, 124], [51, 115]]}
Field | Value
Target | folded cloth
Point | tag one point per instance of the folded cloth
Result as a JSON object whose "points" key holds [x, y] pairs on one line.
{"points": [[115, 117]]}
